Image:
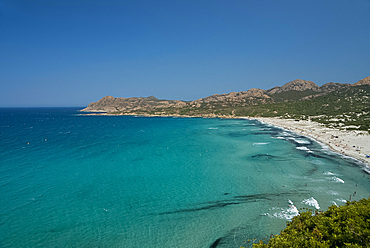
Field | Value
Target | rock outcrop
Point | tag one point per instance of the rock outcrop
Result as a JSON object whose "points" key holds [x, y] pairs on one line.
{"points": [[330, 87], [365, 81], [296, 85], [141, 104], [242, 96]]}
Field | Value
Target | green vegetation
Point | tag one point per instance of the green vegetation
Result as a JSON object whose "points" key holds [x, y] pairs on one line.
{"points": [[293, 95], [345, 226], [346, 108], [349, 108]]}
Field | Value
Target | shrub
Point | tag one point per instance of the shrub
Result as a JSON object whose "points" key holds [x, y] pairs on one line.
{"points": [[344, 226]]}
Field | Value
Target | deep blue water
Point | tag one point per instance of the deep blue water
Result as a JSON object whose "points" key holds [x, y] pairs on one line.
{"points": [[119, 181]]}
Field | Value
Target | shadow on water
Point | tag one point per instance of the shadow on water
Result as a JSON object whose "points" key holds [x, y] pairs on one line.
{"points": [[312, 171], [237, 134], [233, 237], [267, 157], [236, 125], [262, 132], [216, 243], [314, 155], [242, 236], [236, 200]]}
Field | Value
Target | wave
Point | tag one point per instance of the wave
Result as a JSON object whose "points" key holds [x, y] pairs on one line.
{"points": [[285, 213], [300, 141], [328, 173], [311, 202], [261, 143], [286, 134], [366, 169], [337, 179], [303, 148], [282, 138]]}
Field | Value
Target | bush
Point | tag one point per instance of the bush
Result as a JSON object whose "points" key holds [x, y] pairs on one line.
{"points": [[345, 226]]}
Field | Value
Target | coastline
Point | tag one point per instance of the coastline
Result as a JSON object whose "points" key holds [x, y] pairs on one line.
{"points": [[354, 144], [95, 113]]}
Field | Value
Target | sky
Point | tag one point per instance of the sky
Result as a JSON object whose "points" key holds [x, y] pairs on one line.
{"points": [[73, 52]]}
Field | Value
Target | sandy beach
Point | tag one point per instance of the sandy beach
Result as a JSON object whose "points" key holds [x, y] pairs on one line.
{"points": [[355, 144]]}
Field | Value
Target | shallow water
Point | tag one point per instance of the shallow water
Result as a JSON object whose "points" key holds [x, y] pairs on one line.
{"points": [[121, 181]]}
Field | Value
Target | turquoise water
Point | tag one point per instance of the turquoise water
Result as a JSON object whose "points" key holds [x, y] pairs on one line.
{"points": [[118, 181]]}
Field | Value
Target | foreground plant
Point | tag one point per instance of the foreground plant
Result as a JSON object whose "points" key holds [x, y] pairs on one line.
{"points": [[344, 226]]}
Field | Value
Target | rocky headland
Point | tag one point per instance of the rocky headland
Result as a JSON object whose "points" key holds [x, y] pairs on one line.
{"points": [[253, 102]]}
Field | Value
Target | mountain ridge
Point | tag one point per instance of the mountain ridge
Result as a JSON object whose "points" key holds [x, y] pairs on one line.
{"points": [[292, 91]]}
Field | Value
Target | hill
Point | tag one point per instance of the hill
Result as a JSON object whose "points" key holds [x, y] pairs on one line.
{"points": [[334, 104]]}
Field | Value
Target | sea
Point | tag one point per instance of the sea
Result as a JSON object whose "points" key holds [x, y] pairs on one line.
{"points": [[68, 180]]}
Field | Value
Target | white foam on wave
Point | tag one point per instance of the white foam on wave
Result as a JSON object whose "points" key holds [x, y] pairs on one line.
{"points": [[286, 134], [366, 169], [341, 200], [300, 141], [303, 148], [336, 179], [267, 129], [311, 202], [282, 138], [213, 128], [334, 203], [261, 143], [284, 213], [328, 173]]}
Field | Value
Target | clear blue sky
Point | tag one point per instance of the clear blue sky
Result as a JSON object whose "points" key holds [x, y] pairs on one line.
{"points": [[73, 52]]}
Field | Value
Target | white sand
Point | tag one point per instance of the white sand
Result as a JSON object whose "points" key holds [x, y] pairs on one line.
{"points": [[355, 144]]}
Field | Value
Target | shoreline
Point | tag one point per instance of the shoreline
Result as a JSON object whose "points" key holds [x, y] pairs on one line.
{"points": [[354, 144]]}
